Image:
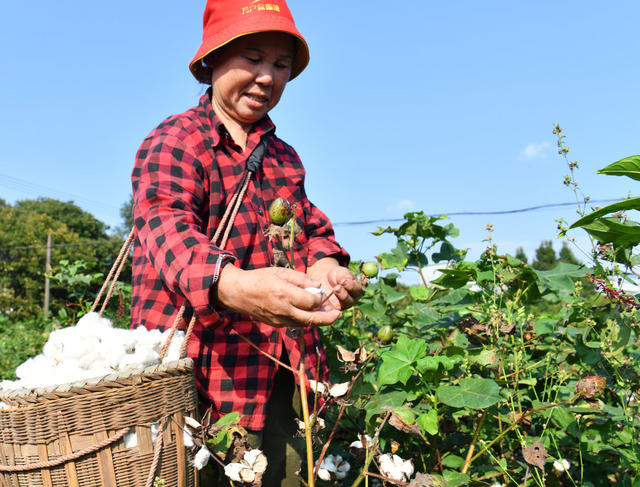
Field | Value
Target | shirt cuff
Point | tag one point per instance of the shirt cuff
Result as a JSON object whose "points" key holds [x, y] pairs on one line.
{"points": [[202, 301]]}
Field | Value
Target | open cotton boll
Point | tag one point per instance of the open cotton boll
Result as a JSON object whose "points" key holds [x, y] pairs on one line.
{"points": [[187, 438], [202, 458], [395, 467], [232, 470], [2, 404]]}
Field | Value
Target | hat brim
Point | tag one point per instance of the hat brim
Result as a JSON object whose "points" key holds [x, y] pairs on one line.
{"points": [[262, 23]]}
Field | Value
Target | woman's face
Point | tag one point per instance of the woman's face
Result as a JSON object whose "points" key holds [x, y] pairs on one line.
{"points": [[249, 76]]}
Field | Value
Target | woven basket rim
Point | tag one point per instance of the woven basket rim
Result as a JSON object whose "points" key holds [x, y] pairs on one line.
{"points": [[185, 363]]}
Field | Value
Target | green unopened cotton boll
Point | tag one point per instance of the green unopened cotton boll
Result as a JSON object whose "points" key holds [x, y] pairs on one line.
{"points": [[280, 211], [370, 269]]}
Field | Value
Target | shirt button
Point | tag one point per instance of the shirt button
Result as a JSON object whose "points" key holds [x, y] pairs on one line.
{"points": [[260, 212]]}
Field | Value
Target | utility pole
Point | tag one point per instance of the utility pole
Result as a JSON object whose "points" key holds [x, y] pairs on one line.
{"points": [[47, 271]]}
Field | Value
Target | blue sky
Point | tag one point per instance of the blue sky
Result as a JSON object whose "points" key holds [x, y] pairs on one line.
{"points": [[410, 105]]}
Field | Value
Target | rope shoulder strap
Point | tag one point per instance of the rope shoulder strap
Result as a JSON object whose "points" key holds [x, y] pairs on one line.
{"points": [[220, 238]]}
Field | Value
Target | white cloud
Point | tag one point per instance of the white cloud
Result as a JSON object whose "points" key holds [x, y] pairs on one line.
{"points": [[405, 205], [532, 151]]}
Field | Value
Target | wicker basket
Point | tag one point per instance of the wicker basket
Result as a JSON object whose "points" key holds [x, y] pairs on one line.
{"points": [[73, 435]]}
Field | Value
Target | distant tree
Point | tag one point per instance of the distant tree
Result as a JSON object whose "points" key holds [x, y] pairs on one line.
{"points": [[546, 258], [126, 213], [566, 255], [84, 224], [76, 235], [521, 255]]}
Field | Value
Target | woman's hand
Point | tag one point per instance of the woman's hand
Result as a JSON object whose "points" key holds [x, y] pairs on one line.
{"points": [[274, 295], [339, 283]]}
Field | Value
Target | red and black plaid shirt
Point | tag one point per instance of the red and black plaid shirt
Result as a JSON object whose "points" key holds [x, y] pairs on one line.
{"points": [[185, 173]]}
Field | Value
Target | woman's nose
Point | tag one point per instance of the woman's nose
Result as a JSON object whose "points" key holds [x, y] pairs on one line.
{"points": [[264, 76]]}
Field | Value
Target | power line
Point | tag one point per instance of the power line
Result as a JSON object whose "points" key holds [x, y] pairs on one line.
{"points": [[479, 213], [357, 223], [28, 187]]}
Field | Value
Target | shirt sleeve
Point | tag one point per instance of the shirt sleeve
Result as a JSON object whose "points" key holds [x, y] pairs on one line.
{"points": [[321, 239], [171, 194]]}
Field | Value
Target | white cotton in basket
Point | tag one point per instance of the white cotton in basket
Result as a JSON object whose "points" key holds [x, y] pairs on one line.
{"points": [[93, 348]]}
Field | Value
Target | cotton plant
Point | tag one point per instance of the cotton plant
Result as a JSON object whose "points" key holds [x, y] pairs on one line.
{"points": [[93, 348], [333, 467]]}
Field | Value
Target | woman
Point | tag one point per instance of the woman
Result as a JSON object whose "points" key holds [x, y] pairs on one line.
{"points": [[186, 174]]}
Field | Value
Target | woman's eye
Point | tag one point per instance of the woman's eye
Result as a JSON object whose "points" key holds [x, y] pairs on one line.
{"points": [[253, 60]]}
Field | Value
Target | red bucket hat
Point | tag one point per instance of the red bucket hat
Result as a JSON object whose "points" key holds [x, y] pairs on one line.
{"points": [[226, 20]]}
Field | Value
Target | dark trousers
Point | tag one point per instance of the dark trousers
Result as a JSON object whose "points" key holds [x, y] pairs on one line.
{"points": [[279, 440]]}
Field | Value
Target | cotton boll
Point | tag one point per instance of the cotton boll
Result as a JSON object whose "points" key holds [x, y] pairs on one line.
{"points": [[2, 404], [130, 439], [324, 474], [202, 458], [232, 470], [406, 468], [342, 469], [247, 475], [187, 438], [155, 428], [251, 455], [561, 465]]}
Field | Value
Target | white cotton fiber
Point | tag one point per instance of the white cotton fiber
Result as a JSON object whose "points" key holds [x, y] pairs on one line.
{"points": [[92, 348], [130, 439]]}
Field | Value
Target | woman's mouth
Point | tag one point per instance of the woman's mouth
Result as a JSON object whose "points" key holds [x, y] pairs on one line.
{"points": [[257, 100]]}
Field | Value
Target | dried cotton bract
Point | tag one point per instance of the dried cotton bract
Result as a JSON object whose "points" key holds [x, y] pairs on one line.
{"points": [[92, 348]]}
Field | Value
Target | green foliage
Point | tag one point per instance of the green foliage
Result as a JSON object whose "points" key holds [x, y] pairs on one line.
{"points": [[476, 373], [76, 236], [616, 233], [20, 340]]}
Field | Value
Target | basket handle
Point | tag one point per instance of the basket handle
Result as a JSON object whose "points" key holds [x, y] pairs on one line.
{"points": [[116, 269], [65, 458]]}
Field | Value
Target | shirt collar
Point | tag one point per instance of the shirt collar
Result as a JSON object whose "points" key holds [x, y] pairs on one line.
{"points": [[218, 131]]}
